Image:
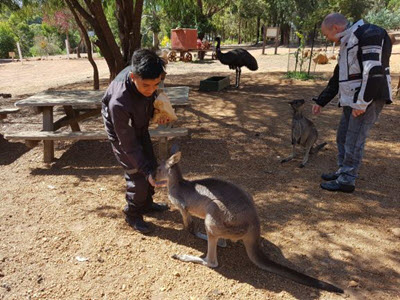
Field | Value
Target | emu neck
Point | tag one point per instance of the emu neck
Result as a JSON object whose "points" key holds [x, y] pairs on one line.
{"points": [[218, 49]]}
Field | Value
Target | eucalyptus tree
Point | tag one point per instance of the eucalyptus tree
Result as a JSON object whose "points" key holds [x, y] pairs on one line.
{"points": [[193, 13], [152, 20]]}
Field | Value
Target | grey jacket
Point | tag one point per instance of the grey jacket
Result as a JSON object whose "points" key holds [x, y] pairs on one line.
{"points": [[362, 73]]}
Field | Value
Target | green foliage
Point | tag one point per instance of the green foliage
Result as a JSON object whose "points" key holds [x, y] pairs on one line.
{"points": [[385, 18], [25, 37], [299, 75], [7, 42], [299, 54], [44, 46], [109, 11], [394, 5]]}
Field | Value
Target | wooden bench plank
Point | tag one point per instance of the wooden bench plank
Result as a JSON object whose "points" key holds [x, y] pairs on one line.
{"points": [[5, 111], [9, 110], [86, 135]]}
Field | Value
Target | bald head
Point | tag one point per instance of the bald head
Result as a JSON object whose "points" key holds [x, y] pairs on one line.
{"points": [[332, 25], [335, 19]]}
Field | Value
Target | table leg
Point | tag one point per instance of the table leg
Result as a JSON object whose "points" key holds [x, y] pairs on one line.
{"points": [[71, 114], [48, 146]]}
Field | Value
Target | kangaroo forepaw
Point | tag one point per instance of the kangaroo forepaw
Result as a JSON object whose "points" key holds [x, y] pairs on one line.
{"points": [[286, 159], [302, 165]]}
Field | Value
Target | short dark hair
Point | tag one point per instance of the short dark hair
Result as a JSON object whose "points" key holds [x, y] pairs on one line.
{"points": [[147, 64]]}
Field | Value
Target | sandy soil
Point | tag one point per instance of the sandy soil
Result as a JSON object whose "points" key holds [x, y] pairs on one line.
{"points": [[63, 235]]}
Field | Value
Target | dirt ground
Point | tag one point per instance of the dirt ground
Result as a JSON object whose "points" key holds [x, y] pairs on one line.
{"points": [[63, 235]]}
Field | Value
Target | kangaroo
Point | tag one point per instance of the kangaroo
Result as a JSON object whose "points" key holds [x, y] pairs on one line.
{"points": [[228, 213], [303, 133]]}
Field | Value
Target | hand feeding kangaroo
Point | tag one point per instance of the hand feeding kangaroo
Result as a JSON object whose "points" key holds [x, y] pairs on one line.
{"points": [[303, 133], [228, 213]]}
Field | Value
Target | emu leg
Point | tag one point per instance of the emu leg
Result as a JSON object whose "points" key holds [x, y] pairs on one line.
{"points": [[238, 80]]}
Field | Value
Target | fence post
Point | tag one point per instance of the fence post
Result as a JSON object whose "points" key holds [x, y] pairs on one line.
{"points": [[67, 47], [19, 52], [277, 40]]}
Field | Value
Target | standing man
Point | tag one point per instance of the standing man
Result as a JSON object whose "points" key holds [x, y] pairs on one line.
{"points": [[127, 109], [362, 80]]}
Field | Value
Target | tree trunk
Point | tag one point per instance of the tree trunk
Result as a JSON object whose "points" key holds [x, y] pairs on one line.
{"points": [[105, 41], [258, 29], [156, 41], [84, 35], [285, 33], [240, 34]]}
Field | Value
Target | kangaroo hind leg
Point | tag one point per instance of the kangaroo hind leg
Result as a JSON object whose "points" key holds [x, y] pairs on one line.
{"points": [[210, 260], [221, 242], [291, 156]]}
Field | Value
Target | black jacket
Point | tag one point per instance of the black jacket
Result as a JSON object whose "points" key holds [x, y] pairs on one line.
{"points": [[126, 114]]}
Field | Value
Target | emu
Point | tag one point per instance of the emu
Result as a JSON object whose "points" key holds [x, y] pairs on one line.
{"points": [[236, 59]]}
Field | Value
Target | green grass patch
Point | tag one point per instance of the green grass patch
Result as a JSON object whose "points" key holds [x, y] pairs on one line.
{"points": [[299, 75]]}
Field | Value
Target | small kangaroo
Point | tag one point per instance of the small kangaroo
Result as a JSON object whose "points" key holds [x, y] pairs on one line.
{"points": [[228, 213], [303, 133]]}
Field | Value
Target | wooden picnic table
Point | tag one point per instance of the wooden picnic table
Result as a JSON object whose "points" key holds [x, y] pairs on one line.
{"points": [[79, 105]]}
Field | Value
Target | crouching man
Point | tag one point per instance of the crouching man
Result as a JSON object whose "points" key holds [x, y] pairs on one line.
{"points": [[127, 109]]}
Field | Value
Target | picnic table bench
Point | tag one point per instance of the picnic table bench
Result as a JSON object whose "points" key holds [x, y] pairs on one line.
{"points": [[78, 106], [5, 111]]}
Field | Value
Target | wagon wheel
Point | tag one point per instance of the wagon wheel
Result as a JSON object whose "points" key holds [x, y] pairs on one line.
{"points": [[187, 57], [214, 55], [172, 56]]}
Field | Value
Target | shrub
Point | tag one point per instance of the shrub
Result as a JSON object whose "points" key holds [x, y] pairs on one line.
{"points": [[44, 46], [7, 42], [165, 42], [385, 18]]}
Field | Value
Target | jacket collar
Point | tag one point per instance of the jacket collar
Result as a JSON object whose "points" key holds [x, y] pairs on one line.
{"points": [[345, 34]]}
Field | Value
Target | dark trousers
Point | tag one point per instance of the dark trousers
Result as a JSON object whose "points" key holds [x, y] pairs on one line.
{"points": [[139, 192]]}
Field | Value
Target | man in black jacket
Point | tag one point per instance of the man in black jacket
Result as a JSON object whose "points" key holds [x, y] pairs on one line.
{"points": [[127, 109], [363, 82]]}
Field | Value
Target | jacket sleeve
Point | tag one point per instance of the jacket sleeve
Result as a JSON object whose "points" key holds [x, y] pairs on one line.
{"points": [[331, 90], [373, 75], [128, 141]]}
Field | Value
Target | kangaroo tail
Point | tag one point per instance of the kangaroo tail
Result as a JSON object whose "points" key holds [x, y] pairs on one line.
{"points": [[318, 147], [259, 258]]}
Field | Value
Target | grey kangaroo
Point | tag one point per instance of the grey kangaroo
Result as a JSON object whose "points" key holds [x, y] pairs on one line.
{"points": [[228, 213], [303, 133]]}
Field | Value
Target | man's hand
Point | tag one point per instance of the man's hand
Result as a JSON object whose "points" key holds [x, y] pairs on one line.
{"points": [[357, 112], [316, 109]]}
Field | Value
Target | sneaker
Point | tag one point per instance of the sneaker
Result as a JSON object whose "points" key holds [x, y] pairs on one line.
{"points": [[335, 186], [157, 207], [330, 176], [138, 224]]}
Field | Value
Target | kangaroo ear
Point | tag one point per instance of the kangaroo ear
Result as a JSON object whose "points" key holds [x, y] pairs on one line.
{"points": [[174, 159]]}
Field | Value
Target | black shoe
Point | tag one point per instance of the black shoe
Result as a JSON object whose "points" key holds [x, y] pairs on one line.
{"points": [[157, 207], [330, 176], [335, 186], [138, 224]]}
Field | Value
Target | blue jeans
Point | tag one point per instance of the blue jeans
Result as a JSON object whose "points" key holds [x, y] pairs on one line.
{"points": [[351, 136]]}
